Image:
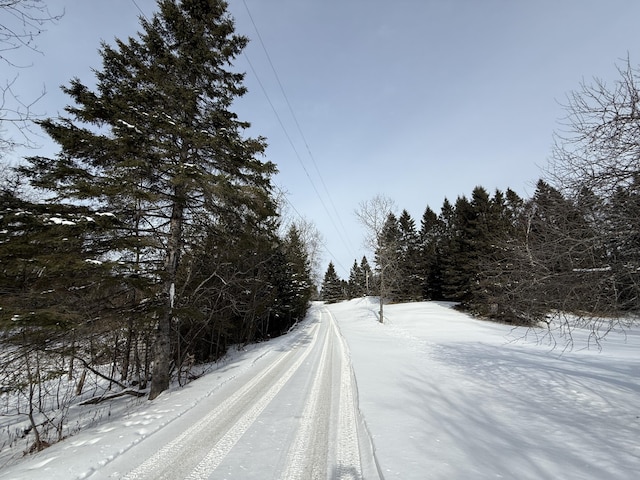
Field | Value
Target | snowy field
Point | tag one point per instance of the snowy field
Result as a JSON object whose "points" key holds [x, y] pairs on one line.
{"points": [[444, 396], [449, 397]]}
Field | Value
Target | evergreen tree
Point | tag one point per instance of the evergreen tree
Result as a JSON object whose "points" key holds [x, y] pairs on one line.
{"points": [[550, 261], [331, 286], [505, 232], [458, 266], [410, 276], [366, 278], [429, 258], [355, 287], [40, 244], [388, 260], [476, 229], [446, 243], [300, 283], [621, 240], [157, 145]]}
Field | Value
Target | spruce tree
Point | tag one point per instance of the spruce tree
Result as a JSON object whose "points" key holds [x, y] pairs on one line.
{"points": [[300, 284], [621, 241], [459, 265], [157, 145], [366, 279], [410, 276], [388, 257], [331, 286], [355, 288], [429, 255]]}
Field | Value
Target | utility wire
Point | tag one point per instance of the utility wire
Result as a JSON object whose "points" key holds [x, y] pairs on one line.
{"points": [[299, 128], [139, 9], [320, 240], [295, 150]]}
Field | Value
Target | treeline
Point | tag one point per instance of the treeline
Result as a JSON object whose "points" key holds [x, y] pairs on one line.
{"points": [[158, 243], [502, 256], [573, 247]]}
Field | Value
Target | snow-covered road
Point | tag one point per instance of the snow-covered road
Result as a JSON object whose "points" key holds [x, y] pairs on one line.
{"points": [[294, 414]]}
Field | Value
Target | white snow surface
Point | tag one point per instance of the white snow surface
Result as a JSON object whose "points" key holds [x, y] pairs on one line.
{"points": [[441, 395]]}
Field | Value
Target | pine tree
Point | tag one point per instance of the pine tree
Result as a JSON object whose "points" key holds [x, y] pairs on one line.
{"points": [[622, 243], [40, 243], [355, 287], [410, 276], [429, 257], [299, 268], [331, 286], [366, 278], [458, 266], [157, 145]]}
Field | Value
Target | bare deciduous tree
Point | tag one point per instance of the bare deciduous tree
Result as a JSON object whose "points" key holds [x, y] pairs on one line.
{"points": [[373, 215], [596, 166], [21, 22], [598, 148]]}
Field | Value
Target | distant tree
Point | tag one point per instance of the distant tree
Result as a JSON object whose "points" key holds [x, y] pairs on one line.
{"points": [[458, 264], [430, 255], [332, 288], [486, 227], [367, 275], [472, 234], [373, 215], [622, 244], [388, 259], [299, 278], [355, 286], [545, 264], [312, 240], [310, 236], [361, 279], [410, 275], [505, 233], [157, 145]]}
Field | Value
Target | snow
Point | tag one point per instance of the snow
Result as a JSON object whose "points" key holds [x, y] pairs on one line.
{"points": [[61, 221], [128, 125], [443, 395], [447, 396]]}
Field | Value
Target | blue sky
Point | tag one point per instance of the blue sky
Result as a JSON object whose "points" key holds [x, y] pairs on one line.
{"points": [[417, 100]]}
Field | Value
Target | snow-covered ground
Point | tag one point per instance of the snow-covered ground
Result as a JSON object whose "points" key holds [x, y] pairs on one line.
{"points": [[444, 396], [450, 397]]}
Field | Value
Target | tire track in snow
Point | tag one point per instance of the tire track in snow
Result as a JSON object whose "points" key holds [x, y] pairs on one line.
{"points": [[215, 456], [162, 460], [302, 461], [355, 455], [299, 466], [348, 465]]}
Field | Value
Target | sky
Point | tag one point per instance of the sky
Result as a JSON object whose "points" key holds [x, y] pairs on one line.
{"points": [[416, 100]]}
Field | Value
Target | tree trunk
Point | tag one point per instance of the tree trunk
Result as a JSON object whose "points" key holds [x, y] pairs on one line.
{"points": [[162, 353], [381, 319]]}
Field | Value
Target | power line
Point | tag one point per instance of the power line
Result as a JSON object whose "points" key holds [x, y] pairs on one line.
{"points": [[299, 128], [295, 150], [139, 9], [320, 240], [295, 118]]}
